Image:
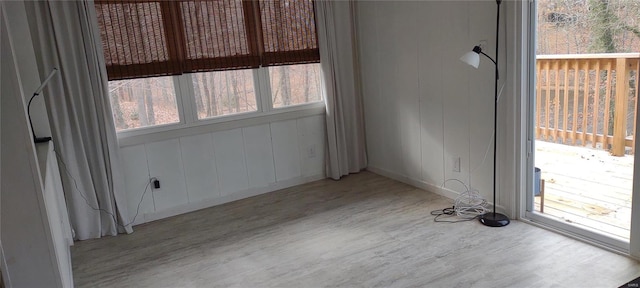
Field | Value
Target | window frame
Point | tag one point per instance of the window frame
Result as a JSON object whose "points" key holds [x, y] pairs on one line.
{"points": [[189, 124]]}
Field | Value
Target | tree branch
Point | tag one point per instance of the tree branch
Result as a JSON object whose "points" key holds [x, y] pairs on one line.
{"points": [[633, 30]]}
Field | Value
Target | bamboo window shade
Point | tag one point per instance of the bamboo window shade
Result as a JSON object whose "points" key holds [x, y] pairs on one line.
{"points": [[288, 33], [146, 38]]}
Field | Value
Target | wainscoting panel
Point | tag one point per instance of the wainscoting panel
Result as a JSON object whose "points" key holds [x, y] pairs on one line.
{"points": [[165, 163], [285, 149], [312, 139], [199, 167], [209, 169], [230, 161], [259, 152], [136, 180]]}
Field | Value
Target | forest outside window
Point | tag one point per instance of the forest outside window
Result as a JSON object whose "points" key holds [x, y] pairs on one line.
{"points": [[295, 84], [143, 102], [222, 93], [207, 58]]}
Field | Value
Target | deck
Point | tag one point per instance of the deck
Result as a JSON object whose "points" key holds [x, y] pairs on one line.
{"points": [[586, 186]]}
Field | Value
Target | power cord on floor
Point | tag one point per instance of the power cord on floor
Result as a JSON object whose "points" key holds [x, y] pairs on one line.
{"points": [[468, 206], [115, 218], [450, 212]]}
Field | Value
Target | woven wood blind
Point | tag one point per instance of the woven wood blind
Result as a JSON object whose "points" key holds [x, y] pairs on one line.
{"points": [[289, 32], [145, 38]]}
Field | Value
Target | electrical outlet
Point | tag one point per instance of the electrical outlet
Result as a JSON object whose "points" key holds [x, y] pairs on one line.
{"points": [[456, 164], [311, 151], [155, 183]]}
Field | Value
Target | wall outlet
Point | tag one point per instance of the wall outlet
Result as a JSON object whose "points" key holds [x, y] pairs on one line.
{"points": [[311, 151], [455, 163]]}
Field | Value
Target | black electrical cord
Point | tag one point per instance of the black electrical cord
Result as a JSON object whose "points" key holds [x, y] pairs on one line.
{"points": [[449, 212], [75, 184]]}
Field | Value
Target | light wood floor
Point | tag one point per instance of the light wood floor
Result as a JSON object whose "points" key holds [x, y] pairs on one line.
{"points": [[362, 231], [587, 187]]}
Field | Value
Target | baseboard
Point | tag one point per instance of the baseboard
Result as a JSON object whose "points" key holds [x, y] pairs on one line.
{"points": [[190, 207], [451, 194], [445, 192]]}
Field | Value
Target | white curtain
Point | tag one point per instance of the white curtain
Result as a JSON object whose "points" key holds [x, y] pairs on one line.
{"points": [[65, 36], [343, 98]]}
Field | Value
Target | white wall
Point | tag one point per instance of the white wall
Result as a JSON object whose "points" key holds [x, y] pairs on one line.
{"points": [[208, 169], [26, 235], [26, 60], [423, 106]]}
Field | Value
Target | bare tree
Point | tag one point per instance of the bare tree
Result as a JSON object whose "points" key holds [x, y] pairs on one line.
{"points": [[117, 109], [603, 29], [166, 96], [116, 93], [141, 109], [306, 84], [218, 93], [275, 92], [206, 95], [249, 104], [236, 93], [588, 26], [285, 85], [148, 93], [199, 95], [228, 93]]}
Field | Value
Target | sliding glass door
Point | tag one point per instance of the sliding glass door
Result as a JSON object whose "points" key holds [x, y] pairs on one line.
{"points": [[582, 115]]}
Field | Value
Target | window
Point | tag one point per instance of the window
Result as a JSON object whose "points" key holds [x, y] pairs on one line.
{"points": [[174, 62], [295, 84], [143, 102], [224, 93]]}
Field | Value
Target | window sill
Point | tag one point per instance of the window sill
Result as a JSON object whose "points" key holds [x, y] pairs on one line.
{"points": [[171, 131]]}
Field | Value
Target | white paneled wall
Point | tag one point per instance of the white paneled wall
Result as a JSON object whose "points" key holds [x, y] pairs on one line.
{"points": [[311, 154], [200, 170], [165, 163], [213, 168], [286, 153], [259, 152], [136, 174], [424, 107], [228, 148]]}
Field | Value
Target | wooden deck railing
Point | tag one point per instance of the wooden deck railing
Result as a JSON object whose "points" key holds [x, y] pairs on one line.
{"points": [[588, 100]]}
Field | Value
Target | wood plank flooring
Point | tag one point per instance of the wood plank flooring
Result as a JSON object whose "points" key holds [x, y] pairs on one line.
{"points": [[586, 187], [362, 231]]}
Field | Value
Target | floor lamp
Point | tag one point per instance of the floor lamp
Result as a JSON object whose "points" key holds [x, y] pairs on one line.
{"points": [[472, 58]]}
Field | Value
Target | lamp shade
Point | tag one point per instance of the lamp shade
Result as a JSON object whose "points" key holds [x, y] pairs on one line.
{"points": [[472, 58]]}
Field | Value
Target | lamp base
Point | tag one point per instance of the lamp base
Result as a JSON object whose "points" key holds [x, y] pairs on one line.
{"points": [[494, 219]]}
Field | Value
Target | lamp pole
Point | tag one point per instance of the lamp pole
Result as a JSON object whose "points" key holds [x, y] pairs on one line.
{"points": [[495, 107], [493, 218]]}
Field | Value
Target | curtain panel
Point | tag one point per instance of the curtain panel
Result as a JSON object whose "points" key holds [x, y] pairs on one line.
{"points": [[342, 94], [65, 37]]}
